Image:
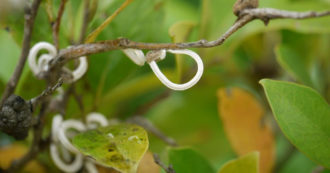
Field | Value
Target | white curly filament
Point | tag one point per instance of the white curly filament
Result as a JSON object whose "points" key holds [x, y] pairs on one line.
{"points": [[62, 131], [93, 119], [66, 167], [44, 59], [138, 58], [185, 86], [61, 149], [136, 55]]}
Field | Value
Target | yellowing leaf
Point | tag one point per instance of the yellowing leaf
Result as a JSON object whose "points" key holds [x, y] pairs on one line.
{"points": [[148, 164], [247, 164], [181, 30], [16, 151], [119, 146], [242, 115]]}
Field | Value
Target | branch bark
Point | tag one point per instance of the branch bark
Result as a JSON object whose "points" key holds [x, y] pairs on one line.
{"points": [[247, 15], [30, 15], [37, 145], [50, 90], [272, 13], [167, 169]]}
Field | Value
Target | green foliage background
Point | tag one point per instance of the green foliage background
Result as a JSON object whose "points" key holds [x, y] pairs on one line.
{"points": [[289, 50]]}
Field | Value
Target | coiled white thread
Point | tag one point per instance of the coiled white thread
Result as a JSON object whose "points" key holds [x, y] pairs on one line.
{"points": [[61, 142], [54, 152], [43, 61], [138, 57]]}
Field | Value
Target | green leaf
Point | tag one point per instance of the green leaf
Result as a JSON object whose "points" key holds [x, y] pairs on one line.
{"points": [[294, 64], [247, 164], [9, 55], [304, 117], [119, 146], [187, 160]]}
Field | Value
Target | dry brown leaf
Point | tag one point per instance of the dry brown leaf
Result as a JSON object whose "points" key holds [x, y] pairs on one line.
{"points": [[242, 115], [16, 151], [102, 169], [148, 164]]}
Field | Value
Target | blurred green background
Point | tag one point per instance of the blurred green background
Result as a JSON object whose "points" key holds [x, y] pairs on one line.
{"points": [[118, 88]]}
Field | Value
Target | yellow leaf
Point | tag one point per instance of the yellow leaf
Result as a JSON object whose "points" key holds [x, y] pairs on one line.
{"points": [[148, 164], [16, 151], [247, 164], [120, 146], [242, 116], [181, 30]]}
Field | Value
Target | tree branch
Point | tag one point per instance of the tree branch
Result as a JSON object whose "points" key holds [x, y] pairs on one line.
{"points": [[86, 16], [290, 151], [272, 13], [167, 169], [57, 23], [50, 90], [30, 15], [37, 144], [247, 16], [146, 124], [318, 169]]}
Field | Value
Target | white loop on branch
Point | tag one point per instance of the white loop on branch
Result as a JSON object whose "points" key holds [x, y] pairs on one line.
{"points": [[138, 58], [81, 69], [93, 119], [65, 126], [136, 55], [44, 59], [187, 85], [61, 146], [55, 152], [90, 167], [66, 167], [56, 124]]}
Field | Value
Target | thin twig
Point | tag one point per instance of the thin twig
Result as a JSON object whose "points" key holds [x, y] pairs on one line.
{"points": [[152, 129], [57, 23], [36, 145], [318, 169], [30, 14], [290, 151], [264, 14], [272, 13], [50, 90], [85, 21], [168, 169], [146, 107]]}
